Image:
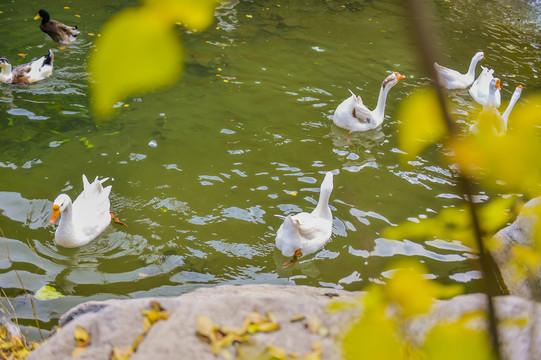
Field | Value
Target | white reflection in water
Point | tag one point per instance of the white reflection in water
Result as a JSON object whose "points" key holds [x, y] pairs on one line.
{"points": [[387, 248]]}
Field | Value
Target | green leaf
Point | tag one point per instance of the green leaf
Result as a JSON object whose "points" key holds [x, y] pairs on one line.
{"points": [[422, 123], [47, 293]]}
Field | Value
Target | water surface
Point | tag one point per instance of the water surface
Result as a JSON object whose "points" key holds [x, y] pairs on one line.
{"points": [[200, 169]]}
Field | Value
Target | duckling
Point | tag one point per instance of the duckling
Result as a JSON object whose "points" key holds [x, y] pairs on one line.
{"points": [[28, 73], [56, 30]]}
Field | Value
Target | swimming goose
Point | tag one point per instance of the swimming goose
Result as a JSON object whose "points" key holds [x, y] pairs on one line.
{"points": [[479, 88], [306, 233], [452, 79], [28, 73], [483, 92], [491, 118], [55, 29], [85, 218], [353, 115], [511, 105]]}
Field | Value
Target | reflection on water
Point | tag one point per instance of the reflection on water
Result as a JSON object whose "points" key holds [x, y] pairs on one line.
{"points": [[199, 170]]}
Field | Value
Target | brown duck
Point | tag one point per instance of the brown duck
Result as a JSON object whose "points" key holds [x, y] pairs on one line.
{"points": [[56, 30]]}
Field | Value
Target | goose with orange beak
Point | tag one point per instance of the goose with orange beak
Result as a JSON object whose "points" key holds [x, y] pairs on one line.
{"points": [[84, 219], [353, 115]]}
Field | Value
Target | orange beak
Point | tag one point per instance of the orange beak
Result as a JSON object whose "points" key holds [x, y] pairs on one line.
{"points": [[520, 86], [56, 214], [398, 76], [498, 84]]}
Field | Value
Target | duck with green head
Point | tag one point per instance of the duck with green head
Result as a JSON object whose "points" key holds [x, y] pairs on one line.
{"points": [[55, 29]]}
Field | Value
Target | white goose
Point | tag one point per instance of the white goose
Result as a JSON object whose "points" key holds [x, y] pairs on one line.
{"points": [[86, 218], [353, 115], [479, 88], [27, 73], [452, 79], [306, 233], [511, 105], [483, 92], [498, 122]]}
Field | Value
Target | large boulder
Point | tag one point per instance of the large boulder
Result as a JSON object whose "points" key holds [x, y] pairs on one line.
{"points": [[118, 323]]}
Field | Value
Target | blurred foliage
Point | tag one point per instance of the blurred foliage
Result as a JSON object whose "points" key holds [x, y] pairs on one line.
{"points": [[422, 123], [139, 49], [505, 162], [380, 333], [14, 346], [454, 223]]}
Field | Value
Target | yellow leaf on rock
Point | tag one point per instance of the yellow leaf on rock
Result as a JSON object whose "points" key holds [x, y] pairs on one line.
{"points": [[313, 324], [277, 352], [205, 326], [78, 351], [421, 123], [81, 336]]}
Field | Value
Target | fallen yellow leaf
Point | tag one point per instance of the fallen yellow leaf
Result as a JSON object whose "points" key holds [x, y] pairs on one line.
{"points": [[81, 336]]}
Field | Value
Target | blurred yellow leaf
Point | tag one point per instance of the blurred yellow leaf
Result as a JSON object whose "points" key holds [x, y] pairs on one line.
{"points": [[421, 123], [456, 340], [525, 261], [415, 294], [454, 223], [193, 14], [489, 122], [373, 336], [509, 162], [138, 52], [313, 324], [451, 223], [277, 352], [315, 353]]}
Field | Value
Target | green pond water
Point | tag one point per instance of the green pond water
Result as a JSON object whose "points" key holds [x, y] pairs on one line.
{"points": [[200, 169]]}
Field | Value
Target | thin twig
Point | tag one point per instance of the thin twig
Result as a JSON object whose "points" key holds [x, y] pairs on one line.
{"points": [[6, 251], [422, 31]]}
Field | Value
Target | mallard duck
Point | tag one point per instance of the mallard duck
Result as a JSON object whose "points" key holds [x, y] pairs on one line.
{"points": [[86, 218], [306, 233], [55, 29], [28, 73], [452, 79], [353, 115]]}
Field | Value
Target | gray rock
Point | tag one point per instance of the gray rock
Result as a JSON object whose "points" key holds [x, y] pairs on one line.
{"points": [[117, 323], [521, 233]]}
